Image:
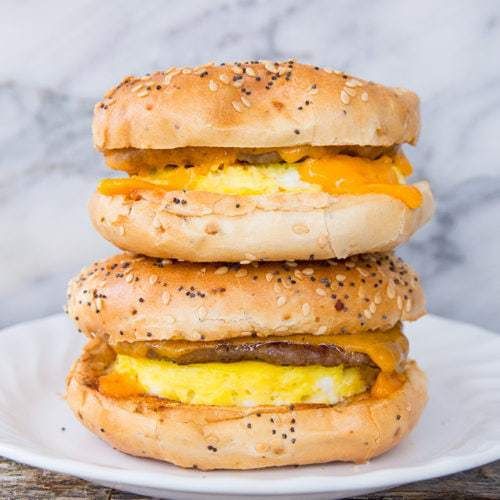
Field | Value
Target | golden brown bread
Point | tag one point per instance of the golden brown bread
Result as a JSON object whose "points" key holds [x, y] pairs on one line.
{"points": [[212, 437], [257, 104], [208, 227], [130, 298]]}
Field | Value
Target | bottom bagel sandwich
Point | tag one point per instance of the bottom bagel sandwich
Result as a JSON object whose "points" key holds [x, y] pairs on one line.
{"points": [[247, 366]]}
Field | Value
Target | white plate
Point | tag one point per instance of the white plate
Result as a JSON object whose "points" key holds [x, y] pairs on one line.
{"points": [[460, 428]]}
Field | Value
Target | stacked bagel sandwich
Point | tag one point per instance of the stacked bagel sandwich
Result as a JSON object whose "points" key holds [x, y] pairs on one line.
{"points": [[255, 318]]}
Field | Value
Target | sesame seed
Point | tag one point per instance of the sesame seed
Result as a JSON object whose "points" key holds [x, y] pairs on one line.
{"points": [[212, 86], [153, 279], [344, 97], [340, 277], [249, 71], [142, 93], [321, 330], [241, 273], [237, 83], [320, 292], [236, 69], [349, 91], [245, 101], [129, 278], [400, 302], [269, 277], [187, 71], [408, 305], [221, 270], [391, 292], [135, 88], [250, 256], [300, 229], [270, 67], [98, 303], [372, 307], [306, 308], [281, 301], [165, 297], [244, 262], [367, 314], [322, 241], [224, 78], [377, 299], [364, 96], [308, 271], [236, 106], [352, 82], [121, 230]]}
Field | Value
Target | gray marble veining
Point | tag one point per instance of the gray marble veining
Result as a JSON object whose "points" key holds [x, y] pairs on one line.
{"points": [[59, 57]]}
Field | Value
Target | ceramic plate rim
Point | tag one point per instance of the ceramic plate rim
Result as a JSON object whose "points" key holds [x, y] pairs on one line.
{"points": [[373, 479]]}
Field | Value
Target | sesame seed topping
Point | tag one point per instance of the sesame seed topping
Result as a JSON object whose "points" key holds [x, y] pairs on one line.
{"points": [[400, 302], [320, 292], [308, 271], [281, 300], [221, 270], [121, 230], [352, 82], [372, 307], [344, 97], [306, 309], [245, 101], [270, 67], [364, 96], [212, 86], [153, 279], [300, 229], [236, 106], [269, 277], [129, 278], [249, 71], [224, 78], [241, 273], [165, 297], [321, 330], [340, 277]]}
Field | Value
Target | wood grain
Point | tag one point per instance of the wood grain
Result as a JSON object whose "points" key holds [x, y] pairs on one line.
{"points": [[21, 481]]}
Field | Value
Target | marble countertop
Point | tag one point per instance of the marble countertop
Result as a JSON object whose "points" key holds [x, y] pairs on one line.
{"points": [[59, 57]]}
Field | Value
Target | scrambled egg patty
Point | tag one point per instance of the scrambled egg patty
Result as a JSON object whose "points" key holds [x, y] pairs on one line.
{"points": [[245, 383], [247, 180]]}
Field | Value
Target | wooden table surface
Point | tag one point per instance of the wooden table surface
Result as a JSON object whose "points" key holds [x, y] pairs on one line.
{"points": [[20, 481]]}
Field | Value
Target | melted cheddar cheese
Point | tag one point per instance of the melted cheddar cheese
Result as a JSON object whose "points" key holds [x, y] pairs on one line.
{"points": [[305, 169]]}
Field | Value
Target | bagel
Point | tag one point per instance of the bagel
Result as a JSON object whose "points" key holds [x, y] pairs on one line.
{"points": [[129, 298], [212, 227], [270, 160], [253, 104], [215, 437]]}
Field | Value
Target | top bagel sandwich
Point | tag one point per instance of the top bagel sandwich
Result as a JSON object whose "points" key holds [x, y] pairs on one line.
{"points": [[257, 161]]}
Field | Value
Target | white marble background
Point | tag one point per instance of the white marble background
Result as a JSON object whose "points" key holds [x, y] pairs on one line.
{"points": [[57, 58]]}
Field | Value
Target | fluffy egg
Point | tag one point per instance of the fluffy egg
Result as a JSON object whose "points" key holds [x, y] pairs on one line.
{"points": [[244, 383]]}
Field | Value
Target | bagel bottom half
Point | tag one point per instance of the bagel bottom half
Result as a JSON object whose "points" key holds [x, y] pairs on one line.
{"points": [[214, 437]]}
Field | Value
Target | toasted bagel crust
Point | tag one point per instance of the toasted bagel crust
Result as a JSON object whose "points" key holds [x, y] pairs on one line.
{"points": [[211, 437], [253, 105], [127, 298], [208, 227]]}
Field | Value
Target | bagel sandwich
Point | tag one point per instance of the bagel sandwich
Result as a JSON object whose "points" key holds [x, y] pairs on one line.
{"points": [[257, 161], [230, 366]]}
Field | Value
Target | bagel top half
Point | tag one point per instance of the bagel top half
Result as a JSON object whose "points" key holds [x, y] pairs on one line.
{"points": [[276, 160], [129, 298]]}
